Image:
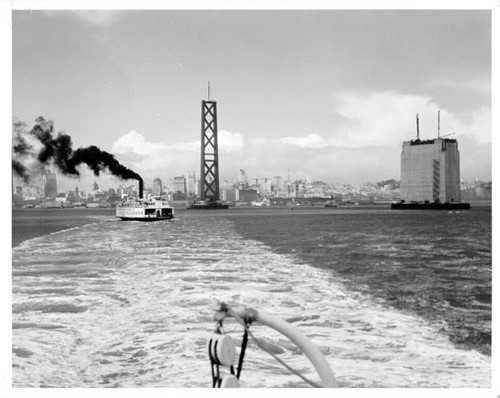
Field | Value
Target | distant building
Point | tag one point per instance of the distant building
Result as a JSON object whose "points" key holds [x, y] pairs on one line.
{"points": [[197, 185], [430, 171], [179, 185], [50, 185], [17, 197], [179, 196], [242, 179], [191, 184], [180, 204], [157, 187], [278, 183], [230, 195], [61, 197], [248, 195], [264, 184]]}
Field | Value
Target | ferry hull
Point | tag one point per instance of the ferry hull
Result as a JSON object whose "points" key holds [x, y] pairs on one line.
{"points": [[125, 218]]}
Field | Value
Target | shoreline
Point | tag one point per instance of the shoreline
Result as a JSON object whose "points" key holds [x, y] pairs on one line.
{"points": [[29, 223]]}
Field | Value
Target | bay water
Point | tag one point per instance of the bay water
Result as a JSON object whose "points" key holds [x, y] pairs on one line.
{"points": [[391, 298]]}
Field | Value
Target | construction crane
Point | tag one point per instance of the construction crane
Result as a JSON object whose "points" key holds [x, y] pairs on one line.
{"points": [[244, 180], [439, 126]]}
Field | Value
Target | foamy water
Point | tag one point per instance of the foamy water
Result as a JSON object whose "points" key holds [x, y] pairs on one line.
{"points": [[126, 304]]}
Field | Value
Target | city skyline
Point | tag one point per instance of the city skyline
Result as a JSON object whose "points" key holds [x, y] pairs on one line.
{"points": [[169, 185], [331, 94], [108, 181]]}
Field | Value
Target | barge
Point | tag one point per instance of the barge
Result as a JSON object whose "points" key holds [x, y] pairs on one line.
{"points": [[430, 206]]}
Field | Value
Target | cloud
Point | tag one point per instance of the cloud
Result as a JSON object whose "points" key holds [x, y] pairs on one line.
{"points": [[310, 141], [480, 126], [155, 159], [379, 119], [152, 159], [388, 118], [100, 18], [367, 120], [230, 141], [272, 157], [135, 143], [364, 144]]}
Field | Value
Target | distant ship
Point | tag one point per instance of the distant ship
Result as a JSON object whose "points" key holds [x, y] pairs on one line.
{"points": [[209, 205], [331, 203], [52, 205], [153, 209]]}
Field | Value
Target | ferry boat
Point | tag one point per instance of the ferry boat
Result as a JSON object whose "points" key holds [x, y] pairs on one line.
{"points": [[153, 209]]}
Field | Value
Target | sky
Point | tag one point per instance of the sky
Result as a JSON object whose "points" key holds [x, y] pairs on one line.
{"points": [[325, 94]]}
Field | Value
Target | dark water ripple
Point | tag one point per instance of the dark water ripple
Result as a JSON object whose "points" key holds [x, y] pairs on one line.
{"points": [[434, 264]]}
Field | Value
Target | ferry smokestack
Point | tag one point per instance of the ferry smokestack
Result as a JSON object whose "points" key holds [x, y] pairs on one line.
{"points": [[141, 188]]}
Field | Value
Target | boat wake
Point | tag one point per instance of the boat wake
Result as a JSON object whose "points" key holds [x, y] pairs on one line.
{"points": [[130, 304]]}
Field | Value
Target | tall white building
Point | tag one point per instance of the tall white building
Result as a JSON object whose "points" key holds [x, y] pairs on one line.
{"points": [[179, 184], [157, 187], [278, 182], [50, 185], [191, 184], [430, 171], [242, 179]]}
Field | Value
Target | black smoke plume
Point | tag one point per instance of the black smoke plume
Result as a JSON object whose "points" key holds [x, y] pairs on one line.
{"points": [[40, 146]]}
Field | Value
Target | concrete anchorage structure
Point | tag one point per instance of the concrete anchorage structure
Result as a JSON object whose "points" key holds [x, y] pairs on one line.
{"points": [[430, 171], [430, 174]]}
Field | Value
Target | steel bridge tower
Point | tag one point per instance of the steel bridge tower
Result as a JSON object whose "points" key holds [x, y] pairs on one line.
{"points": [[209, 175]]}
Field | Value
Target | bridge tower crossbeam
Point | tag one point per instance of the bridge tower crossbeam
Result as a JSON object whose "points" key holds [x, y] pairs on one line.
{"points": [[209, 174]]}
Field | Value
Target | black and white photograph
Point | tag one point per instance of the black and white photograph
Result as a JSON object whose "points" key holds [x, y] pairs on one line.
{"points": [[248, 195]]}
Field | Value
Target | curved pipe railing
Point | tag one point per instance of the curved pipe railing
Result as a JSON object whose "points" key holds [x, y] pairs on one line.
{"points": [[295, 335]]}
